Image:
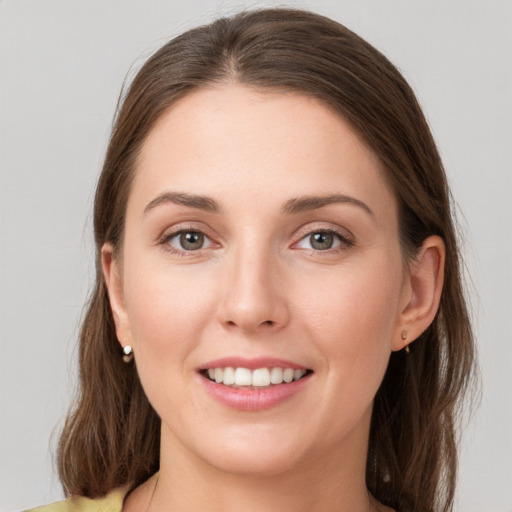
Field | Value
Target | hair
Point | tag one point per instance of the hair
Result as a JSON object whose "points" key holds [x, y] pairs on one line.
{"points": [[111, 437]]}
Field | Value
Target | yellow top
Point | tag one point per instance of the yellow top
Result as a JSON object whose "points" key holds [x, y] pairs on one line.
{"points": [[112, 502]]}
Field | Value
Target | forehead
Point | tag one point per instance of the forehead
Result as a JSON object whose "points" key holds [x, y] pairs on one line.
{"points": [[259, 143]]}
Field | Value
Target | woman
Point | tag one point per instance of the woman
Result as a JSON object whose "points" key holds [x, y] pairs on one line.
{"points": [[278, 320]]}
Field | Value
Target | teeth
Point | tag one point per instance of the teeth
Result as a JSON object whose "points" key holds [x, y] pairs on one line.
{"points": [[229, 376], [298, 374], [288, 375], [243, 377], [261, 377], [276, 376]]}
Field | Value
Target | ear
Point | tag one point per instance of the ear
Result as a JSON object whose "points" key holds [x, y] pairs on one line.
{"points": [[112, 274], [422, 292]]}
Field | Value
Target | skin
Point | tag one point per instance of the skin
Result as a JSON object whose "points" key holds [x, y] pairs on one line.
{"points": [[258, 288]]}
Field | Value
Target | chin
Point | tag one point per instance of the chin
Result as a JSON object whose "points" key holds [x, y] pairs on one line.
{"points": [[254, 462], [253, 452]]}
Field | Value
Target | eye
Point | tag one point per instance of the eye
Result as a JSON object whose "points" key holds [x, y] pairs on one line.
{"points": [[187, 240], [322, 240]]}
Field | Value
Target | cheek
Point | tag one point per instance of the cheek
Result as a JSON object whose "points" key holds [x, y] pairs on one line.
{"points": [[167, 308], [353, 319], [362, 298]]}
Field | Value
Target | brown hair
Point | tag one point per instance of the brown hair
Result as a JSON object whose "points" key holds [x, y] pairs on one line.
{"points": [[111, 438]]}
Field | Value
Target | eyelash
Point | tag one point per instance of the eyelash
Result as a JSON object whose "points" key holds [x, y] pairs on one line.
{"points": [[345, 243], [167, 237]]}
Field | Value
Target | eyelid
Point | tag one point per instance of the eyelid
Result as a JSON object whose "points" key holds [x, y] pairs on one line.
{"points": [[176, 230], [345, 237], [310, 228]]}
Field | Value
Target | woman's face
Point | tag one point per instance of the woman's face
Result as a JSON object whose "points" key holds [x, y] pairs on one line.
{"points": [[262, 236]]}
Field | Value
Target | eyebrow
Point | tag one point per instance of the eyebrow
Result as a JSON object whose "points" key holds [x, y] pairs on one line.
{"points": [[192, 201], [292, 206], [308, 203]]}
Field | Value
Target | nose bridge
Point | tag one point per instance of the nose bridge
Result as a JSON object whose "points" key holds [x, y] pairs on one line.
{"points": [[252, 298]]}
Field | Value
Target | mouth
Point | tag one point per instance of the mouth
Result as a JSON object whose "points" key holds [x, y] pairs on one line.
{"points": [[255, 384], [258, 378]]}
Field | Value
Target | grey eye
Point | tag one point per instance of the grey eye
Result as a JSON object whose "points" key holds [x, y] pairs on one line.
{"points": [[321, 241]]}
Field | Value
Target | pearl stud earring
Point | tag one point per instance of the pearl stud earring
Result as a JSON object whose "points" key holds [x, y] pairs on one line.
{"points": [[128, 353]]}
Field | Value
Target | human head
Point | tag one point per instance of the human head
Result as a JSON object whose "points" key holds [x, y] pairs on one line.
{"points": [[272, 50]]}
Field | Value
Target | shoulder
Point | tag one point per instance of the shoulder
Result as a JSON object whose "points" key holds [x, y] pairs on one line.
{"points": [[112, 502]]}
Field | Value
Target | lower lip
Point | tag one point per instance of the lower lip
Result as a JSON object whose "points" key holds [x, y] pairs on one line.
{"points": [[254, 399]]}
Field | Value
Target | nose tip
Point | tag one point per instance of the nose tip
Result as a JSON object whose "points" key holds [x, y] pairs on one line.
{"points": [[251, 301], [257, 314]]}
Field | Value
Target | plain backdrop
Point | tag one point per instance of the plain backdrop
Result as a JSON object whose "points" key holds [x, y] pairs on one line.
{"points": [[62, 65]]}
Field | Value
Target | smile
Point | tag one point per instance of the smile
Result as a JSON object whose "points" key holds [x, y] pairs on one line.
{"points": [[241, 377], [254, 384]]}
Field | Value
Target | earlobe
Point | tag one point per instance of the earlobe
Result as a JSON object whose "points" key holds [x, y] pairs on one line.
{"points": [[112, 275], [424, 286]]}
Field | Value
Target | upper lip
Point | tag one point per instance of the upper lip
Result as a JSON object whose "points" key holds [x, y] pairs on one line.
{"points": [[252, 364]]}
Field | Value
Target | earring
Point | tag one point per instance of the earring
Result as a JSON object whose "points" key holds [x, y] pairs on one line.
{"points": [[128, 353], [404, 337]]}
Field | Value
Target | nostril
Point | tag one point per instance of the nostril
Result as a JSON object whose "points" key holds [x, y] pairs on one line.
{"points": [[262, 325]]}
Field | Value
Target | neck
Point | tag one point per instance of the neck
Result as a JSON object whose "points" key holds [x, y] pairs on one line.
{"points": [[333, 482]]}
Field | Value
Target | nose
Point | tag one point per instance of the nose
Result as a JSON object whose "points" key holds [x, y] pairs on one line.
{"points": [[254, 294]]}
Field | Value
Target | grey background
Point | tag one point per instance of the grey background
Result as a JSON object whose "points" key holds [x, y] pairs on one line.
{"points": [[62, 65]]}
